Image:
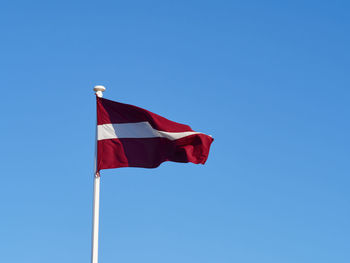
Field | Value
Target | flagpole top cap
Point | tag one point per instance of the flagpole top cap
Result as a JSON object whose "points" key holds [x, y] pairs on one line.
{"points": [[99, 89]]}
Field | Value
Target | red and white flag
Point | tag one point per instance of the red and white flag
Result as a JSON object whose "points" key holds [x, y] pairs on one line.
{"points": [[128, 136]]}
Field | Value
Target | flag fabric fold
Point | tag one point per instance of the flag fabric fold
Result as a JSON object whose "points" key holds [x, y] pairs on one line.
{"points": [[129, 136]]}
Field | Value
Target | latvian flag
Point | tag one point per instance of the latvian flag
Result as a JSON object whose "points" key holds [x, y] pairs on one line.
{"points": [[128, 136]]}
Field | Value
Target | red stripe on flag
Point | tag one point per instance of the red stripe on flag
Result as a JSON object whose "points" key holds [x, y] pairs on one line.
{"points": [[151, 152], [114, 112]]}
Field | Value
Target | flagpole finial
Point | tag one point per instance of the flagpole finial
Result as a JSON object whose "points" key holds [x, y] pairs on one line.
{"points": [[99, 89]]}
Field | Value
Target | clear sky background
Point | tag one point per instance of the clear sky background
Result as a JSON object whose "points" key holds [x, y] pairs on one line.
{"points": [[269, 80]]}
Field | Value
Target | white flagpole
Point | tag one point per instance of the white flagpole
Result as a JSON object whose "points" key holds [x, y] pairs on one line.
{"points": [[96, 202]]}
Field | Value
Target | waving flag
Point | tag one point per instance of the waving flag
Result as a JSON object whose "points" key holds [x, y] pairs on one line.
{"points": [[129, 136]]}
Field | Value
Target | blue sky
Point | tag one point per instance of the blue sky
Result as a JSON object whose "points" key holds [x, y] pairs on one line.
{"points": [[269, 80]]}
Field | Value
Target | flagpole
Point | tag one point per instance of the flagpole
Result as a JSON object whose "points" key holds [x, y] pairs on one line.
{"points": [[96, 199]]}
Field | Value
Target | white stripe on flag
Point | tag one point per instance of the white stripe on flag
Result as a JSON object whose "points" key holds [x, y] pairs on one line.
{"points": [[135, 130]]}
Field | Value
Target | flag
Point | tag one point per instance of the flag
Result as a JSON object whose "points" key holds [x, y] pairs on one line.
{"points": [[129, 136]]}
